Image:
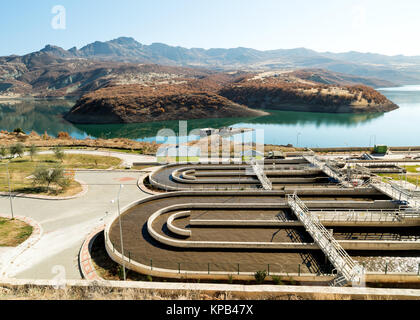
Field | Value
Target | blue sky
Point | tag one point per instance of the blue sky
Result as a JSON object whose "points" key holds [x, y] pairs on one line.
{"points": [[381, 26]]}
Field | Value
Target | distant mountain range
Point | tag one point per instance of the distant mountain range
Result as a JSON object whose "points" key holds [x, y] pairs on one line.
{"points": [[397, 69], [54, 71]]}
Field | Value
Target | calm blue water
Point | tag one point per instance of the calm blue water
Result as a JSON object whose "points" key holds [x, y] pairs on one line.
{"points": [[398, 128]]}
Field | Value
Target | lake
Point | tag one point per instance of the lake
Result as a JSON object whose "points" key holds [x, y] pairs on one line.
{"points": [[397, 128]]}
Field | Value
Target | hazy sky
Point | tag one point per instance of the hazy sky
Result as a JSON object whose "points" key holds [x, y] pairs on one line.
{"points": [[381, 26]]}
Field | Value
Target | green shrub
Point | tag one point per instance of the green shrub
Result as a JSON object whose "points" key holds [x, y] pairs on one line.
{"points": [[58, 153], [260, 276], [120, 272], [3, 151], [230, 279], [44, 176], [64, 183], [277, 280], [33, 150], [16, 149]]}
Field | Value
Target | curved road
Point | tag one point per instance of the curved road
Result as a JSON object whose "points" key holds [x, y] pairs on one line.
{"points": [[66, 223]]}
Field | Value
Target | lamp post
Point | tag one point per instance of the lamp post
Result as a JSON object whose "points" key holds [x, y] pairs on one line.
{"points": [[297, 138], [121, 236]]}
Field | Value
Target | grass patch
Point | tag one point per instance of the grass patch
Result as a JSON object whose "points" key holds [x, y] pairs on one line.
{"points": [[13, 232], [72, 190], [410, 178], [21, 169], [81, 161], [412, 169]]}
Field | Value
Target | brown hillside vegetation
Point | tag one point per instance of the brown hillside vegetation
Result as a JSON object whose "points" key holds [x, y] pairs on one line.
{"points": [[223, 95], [138, 103], [285, 94]]}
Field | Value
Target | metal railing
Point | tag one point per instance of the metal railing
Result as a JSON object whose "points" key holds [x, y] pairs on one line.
{"points": [[331, 248], [266, 183], [366, 215], [339, 281], [396, 192], [327, 169]]}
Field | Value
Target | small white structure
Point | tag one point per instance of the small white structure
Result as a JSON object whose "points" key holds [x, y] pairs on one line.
{"points": [[178, 154]]}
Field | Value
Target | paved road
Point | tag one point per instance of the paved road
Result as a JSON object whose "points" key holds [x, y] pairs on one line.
{"points": [[66, 223], [3, 251]]}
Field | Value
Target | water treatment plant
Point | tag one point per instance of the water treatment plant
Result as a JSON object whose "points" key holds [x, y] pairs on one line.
{"points": [[304, 218]]}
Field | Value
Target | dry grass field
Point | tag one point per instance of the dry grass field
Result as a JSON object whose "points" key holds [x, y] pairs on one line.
{"points": [[13, 232]]}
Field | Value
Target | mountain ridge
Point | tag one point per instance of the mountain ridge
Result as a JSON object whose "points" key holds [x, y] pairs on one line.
{"points": [[398, 69]]}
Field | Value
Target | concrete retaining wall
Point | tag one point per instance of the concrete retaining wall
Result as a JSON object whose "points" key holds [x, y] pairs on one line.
{"points": [[221, 167], [215, 244], [380, 245], [346, 244], [291, 223], [176, 230]]}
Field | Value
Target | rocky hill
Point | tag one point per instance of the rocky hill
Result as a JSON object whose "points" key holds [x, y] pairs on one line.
{"points": [[51, 73], [226, 95], [137, 103], [292, 91]]}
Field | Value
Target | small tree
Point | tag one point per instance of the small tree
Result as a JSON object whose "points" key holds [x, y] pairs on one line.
{"points": [[59, 153], [260, 276], [33, 151], [50, 176], [3, 152], [16, 149]]}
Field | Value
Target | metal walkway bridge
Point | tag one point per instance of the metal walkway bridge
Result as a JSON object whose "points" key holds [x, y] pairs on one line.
{"points": [[348, 270], [327, 169], [258, 170], [397, 192]]}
